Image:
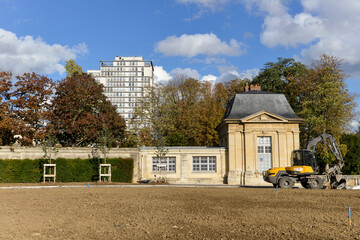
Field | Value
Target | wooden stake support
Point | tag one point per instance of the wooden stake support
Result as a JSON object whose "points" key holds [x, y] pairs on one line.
{"points": [[107, 171], [50, 167]]}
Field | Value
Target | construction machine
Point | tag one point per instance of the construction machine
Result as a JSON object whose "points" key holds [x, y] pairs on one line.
{"points": [[305, 169]]}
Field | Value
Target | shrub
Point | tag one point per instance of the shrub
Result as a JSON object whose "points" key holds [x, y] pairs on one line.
{"points": [[20, 171], [67, 170]]}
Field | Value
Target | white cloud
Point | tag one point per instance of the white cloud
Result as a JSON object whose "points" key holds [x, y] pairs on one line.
{"points": [[231, 75], [272, 7], [212, 60], [227, 73], [329, 27], [213, 5], [186, 72], [160, 75], [291, 31], [250, 73], [26, 54], [354, 125], [227, 76], [209, 78], [199, 44], [227, 68], [248, 35]]}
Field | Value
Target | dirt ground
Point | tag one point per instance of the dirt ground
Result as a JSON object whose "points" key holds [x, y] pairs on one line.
{"points": [[178, 213]]}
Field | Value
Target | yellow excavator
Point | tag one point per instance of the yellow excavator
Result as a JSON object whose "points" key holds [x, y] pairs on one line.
{"points": [[305, 169]]}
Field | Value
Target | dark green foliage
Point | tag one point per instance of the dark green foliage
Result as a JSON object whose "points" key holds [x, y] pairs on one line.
{"points": [[20, 171], [176, 139], [352, 158], [67, 170], [274, 77], [121, 171], [74, 170]]}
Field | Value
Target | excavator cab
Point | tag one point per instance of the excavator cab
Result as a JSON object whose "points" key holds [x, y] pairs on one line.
{"points": [[304, 157], [303, 163]]}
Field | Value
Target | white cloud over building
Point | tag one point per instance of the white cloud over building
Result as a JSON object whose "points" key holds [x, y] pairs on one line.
{"points": [[160, 75], [186, 72]]}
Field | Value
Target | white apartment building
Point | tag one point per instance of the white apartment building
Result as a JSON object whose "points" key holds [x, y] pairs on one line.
{"points": [[125, 81]]}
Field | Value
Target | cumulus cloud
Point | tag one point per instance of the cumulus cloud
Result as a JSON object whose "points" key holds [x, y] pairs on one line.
{"points": [[199, 44], [227, 73], [186, 72], [213, 5], [29, 54], [354, 125], [209, 78], [212, 60], [160, 75], [230, 73], [320, 27]]}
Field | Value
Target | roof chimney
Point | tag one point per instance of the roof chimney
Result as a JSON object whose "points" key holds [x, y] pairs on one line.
{"points": [[255, 87], [246, 88]]}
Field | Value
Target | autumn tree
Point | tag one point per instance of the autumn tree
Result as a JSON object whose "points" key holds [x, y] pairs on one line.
{"points": [[30, 104], [326, 105], [183, 111], [7, 123], [72, 67], [154, 114], [80, 110], [234, 87]]}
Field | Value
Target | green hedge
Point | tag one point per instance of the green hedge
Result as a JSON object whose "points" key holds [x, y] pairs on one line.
{"points": [[67, 170]]}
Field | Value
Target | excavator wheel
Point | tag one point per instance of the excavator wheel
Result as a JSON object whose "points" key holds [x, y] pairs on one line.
{"points": [[304, 184], [316, 183], [286, 182]]}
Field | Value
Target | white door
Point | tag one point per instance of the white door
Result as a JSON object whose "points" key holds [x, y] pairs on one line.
{"points": [[264, 153]]}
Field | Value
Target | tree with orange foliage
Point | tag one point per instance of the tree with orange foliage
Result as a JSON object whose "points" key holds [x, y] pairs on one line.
{"points": [[6, 119], [183, 112], [80, 110], [322, 99], [30, 104]]}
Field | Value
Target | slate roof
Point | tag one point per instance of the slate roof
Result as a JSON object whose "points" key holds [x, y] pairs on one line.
{"points": [[249, 103]]}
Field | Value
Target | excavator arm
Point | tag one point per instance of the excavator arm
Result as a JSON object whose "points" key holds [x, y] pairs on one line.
{"points": [[330, 142], [333, 172]]}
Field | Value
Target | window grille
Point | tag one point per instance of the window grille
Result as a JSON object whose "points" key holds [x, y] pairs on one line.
{"points": [[204, 164], [167, 164]]}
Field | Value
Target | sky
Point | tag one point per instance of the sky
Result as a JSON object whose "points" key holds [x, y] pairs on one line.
{"points": [[216, 40]]}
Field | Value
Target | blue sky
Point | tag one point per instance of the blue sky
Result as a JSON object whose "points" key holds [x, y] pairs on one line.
{"points": [[206, 39]]}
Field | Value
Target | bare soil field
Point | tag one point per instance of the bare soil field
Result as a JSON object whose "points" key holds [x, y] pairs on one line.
{"points": [[178, 213]]}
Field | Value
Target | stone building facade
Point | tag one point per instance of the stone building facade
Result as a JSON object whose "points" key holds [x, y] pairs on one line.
{"points": [[186, 165], [259, 130]]}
